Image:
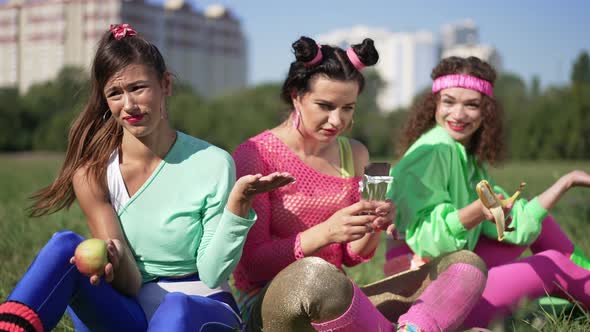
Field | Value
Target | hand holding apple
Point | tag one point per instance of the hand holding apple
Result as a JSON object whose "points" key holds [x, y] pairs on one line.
{"points": [[96, 257]]}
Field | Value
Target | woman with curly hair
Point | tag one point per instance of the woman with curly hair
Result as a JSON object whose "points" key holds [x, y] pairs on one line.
{"points": [[448, 141]]}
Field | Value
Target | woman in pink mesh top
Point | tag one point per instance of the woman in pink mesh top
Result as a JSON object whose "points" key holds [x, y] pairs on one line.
{"points": [[282, 287]]}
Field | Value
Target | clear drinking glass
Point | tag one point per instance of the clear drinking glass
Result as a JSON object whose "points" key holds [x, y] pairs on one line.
{"points": [[374, 184], [375, 181]]}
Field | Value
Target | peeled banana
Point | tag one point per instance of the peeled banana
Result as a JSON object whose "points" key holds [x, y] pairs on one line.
{"points": [[488, 198]]}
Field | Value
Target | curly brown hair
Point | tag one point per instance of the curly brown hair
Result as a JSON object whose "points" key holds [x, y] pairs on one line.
{"points": [[487, 143]]}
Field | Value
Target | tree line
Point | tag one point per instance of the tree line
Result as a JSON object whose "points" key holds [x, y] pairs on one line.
{"points": [[553, 123]]}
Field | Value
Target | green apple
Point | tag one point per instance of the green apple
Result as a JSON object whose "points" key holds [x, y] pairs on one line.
{"points": [[91, 257]]}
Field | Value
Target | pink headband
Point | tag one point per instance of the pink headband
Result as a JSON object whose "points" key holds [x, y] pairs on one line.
{"points": [[354, 59], [318, 57], [122, 30], [463, 81]]}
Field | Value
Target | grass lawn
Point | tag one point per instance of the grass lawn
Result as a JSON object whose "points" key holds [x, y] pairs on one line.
{"points": [[23, 237]]}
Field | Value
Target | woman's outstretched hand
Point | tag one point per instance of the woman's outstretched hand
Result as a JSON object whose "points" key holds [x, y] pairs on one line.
{"points": [[578, 178], [553, 194], [250, 185], [241, 197]]}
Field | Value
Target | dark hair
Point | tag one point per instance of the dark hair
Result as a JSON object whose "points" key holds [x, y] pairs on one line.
{"points": [[334, 65], [487, 142], [94, 135]]}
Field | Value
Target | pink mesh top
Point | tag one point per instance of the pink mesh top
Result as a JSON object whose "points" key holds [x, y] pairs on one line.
{"points": [[273, 242]]}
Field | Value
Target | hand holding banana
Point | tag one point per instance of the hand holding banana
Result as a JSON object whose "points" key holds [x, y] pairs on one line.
{"points": [[490, 200]]}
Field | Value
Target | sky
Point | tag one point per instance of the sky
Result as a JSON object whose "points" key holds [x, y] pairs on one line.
{"points": [[539, 37]]}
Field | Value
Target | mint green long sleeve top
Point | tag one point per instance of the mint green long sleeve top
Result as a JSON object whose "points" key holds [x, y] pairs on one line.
{"points": [[177, 224], [435, 179]]}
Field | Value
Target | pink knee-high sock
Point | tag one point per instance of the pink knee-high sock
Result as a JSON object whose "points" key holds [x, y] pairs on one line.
{"points": [[552, 237], [544, 273], [448, 300], [362, 315]]}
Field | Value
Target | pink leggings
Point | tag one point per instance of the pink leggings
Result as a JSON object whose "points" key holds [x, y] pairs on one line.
{"points": [[548, 271]]}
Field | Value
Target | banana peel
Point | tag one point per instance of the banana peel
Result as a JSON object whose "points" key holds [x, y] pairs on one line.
{"points": [[490, 200]]}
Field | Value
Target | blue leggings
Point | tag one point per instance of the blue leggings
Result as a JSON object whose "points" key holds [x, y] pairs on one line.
{"points": [[52, 284]]}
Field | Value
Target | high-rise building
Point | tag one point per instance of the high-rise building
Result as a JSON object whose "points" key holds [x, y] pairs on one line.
{"points": [[462, 39], [464, 32], [405, 61], [39, 37]]}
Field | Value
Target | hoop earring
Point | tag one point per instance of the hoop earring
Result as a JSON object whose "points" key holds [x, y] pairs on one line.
{"points": [[104, 116]]}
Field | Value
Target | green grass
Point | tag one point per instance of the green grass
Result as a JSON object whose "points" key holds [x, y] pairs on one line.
{"points": [[23, 237]]}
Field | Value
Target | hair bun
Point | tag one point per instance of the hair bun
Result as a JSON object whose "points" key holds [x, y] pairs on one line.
{"points": [[305, 49], [366, 52]]}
